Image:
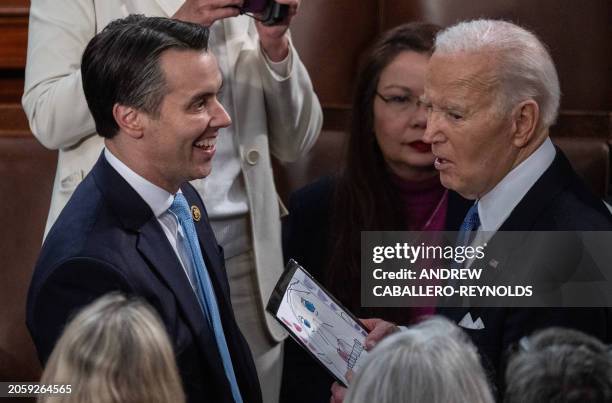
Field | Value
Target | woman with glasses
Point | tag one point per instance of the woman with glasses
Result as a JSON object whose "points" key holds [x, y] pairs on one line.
{"points": [[387, 183]]}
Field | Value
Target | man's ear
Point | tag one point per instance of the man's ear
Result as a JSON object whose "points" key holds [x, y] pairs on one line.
{"points": [[130, 120], [525, 118]]}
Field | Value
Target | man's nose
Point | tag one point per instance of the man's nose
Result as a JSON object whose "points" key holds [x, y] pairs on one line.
{"points": [[220, 117], [432, 130]]}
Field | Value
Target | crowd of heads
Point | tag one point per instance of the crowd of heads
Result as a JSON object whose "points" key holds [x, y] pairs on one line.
{"points": [[435, 361]]}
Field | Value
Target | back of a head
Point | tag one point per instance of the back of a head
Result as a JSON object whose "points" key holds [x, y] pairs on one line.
{"points": [[431, 362], [525, 69], [115, 350], [561, 366]]}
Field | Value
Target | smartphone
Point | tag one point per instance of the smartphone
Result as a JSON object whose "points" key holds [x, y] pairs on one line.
{"points": [[271, 12]]}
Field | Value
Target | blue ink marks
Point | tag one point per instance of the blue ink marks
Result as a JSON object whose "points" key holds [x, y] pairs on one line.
{"points": [[309, 305]]}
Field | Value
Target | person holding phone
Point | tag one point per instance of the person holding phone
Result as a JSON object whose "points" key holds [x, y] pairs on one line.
{"points": [[269, 96]]}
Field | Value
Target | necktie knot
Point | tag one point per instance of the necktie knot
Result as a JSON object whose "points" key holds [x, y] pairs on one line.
{"points": [[180, 208], [471, 222]]}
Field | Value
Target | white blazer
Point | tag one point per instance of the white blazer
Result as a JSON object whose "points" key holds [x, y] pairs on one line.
{"points": [[278, 116]]}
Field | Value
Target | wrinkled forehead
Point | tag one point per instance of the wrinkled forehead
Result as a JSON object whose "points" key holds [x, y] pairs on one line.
{"points": [[469, 76]]}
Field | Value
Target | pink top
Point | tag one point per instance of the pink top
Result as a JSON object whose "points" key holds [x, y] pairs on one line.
{"points": [[425, 206]]}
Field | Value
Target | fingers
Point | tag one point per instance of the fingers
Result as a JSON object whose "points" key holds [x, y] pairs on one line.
{"points": [[225, 12], [379, 330], [349, 375], [221, 3], [206, 12], [338, 393], [370, 323]]}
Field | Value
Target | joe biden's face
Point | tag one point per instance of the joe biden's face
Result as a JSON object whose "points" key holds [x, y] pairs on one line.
{"points": [[470, 134]]}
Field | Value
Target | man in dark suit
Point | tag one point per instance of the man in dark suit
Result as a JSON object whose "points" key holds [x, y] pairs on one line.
{"points": [[492, 93], [135, 224]]}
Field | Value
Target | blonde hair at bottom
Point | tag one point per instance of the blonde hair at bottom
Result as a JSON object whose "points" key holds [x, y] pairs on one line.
{"points": [[115, 350]]}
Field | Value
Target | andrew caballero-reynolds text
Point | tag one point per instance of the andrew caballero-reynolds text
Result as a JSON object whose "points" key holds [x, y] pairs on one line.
{"points": [[446, 263]]}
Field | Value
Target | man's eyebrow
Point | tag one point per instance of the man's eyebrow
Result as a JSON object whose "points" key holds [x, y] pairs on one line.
{"points": [[198, 96], [203, 94]]}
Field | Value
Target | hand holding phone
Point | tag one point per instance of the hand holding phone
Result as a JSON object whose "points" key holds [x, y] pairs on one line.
{"points": [[206, 12]]}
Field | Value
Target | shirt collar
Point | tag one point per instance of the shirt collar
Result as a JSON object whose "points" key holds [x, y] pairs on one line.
{"points": [[495, 206], [158, 199]]}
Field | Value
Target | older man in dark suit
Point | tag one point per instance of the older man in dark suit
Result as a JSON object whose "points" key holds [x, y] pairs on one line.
{"points": [[492, 93], [135, 224]]}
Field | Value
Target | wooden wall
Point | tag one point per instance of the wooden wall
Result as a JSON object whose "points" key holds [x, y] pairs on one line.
{"points": [[331, 34]]}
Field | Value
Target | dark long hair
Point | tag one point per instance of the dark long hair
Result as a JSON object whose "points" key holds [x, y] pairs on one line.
{"points": [[365, 199]]}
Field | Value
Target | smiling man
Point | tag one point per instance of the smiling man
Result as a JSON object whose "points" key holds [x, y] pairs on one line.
{"points": [[492, 93], [135, 224]]}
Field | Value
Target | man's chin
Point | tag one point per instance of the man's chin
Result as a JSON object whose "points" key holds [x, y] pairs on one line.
{"points": [[202, 173], [451, 183]]}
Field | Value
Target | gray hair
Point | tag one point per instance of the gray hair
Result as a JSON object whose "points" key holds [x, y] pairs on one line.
{"points": [[433, 361], [525, 68], [560, 365], [114, 350]]}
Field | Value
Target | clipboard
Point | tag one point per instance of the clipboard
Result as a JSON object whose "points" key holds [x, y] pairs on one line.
{"points": [[331, 334]]}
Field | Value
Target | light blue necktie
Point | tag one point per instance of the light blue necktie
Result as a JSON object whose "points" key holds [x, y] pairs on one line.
{"points": [[204, 289]]}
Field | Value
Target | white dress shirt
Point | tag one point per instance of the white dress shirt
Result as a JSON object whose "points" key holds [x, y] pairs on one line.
{"points": [[495, 206], [159, 200]]}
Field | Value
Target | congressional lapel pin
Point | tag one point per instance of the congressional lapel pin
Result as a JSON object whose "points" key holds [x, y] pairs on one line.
{"points": [[493, 263], [195, 213]]}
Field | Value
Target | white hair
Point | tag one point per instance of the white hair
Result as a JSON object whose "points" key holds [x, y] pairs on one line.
{"points": [[525, 68], [432, 362]]}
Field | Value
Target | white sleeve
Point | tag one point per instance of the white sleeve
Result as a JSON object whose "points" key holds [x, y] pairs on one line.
{"points": [[53, 97], [294, 113]]}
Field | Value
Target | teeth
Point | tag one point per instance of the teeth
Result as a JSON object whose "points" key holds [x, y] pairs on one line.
{"points": [[207, 143]]}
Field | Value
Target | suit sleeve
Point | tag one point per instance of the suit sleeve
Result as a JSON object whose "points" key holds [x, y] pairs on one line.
{"points": [[294, 114], [53, 97], [74, 284]]}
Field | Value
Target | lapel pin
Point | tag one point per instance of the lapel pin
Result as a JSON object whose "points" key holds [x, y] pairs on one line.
{"points": [[195, 213]]}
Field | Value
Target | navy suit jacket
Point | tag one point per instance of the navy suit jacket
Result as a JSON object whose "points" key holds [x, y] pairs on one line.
{"points": [[558, 201], [306, 233], [107, 239]]}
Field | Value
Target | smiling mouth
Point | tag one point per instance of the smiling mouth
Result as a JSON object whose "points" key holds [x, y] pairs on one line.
{"points": [[207, 144]]}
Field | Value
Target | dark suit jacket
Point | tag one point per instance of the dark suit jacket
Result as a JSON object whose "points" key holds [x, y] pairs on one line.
{"points": [[558, 201], [306, 239], [107, 239]]}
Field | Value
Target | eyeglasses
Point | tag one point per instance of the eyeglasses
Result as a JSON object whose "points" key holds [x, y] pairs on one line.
{"points": [[402, 102]]}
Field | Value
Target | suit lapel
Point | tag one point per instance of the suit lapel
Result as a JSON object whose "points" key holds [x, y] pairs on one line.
{"points": [[541, 194], [154, 246], [136, 216]]}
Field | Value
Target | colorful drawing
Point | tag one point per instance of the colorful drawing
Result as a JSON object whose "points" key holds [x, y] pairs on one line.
{"points": [[329, 333]]}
